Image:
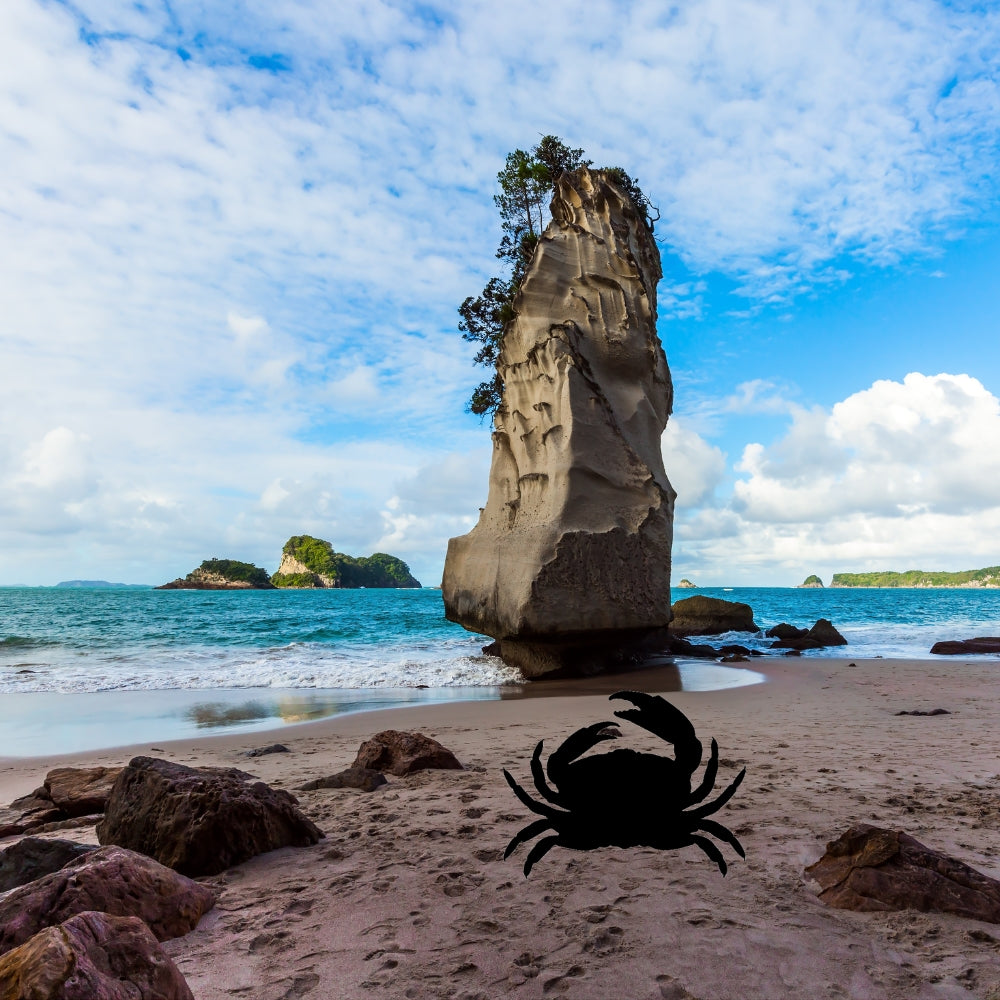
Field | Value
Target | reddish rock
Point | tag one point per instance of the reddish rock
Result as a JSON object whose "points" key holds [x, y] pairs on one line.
{"points": [[868, 868], [92, 956], [33, 857], [112, 880], [403, 753], [80, 791], [710, 616], [200, 821], [354, 777], [963, 647]]}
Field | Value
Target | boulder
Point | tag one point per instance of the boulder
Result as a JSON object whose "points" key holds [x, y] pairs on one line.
{"points": [[403, 753], [569, 563], [869, 868], [111, 880], [364, 778], [28, 813], [785, 631], [265, 751], [702, 615], [200, 821], [824, 633], [32, 857], [92, 956], [80, 791], [964, 647], [821, 635]]}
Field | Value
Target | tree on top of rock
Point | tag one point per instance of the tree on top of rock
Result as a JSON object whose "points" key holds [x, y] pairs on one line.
{"points": [[526, 184]]}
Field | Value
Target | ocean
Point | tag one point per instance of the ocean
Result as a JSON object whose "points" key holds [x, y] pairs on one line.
{"points": [[222, 661]]}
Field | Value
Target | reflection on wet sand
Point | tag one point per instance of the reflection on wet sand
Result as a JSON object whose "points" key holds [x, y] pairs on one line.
{"points": [[212, 714]]}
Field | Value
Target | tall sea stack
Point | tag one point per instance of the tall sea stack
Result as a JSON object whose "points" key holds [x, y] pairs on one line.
{"points": [[569, 564]]}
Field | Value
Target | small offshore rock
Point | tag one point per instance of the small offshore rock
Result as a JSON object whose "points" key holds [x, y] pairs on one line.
{"points": [[200, 821], [965, 647], [785, 631], [92, 956], [264, 751], [112, 880], [871, 869], [400, 753], [824, 633], [702, 615], [32, 857], [364, 778]]}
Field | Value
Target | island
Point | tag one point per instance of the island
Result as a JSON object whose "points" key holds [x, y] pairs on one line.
{"points": [[100, 585], [311, 563], [222, 574], [810, 581], [970, 578], [686, 584]]}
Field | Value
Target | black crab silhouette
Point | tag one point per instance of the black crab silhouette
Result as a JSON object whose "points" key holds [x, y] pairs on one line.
{"points": [[625, 798]]}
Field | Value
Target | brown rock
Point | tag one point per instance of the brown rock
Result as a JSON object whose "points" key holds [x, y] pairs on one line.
{"points": [[702, 615], [825, 634], [354, 777], [403, 753], [92, 956], [33, 857], [200, 821], [868, 869], [112, 880], [964, 647], [28, 813], [570, 558], [785, 631], [80, 791]]}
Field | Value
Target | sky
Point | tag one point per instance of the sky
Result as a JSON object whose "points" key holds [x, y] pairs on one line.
{"points": [[234, 237]]}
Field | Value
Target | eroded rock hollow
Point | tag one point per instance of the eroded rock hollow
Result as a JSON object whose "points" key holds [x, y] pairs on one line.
{"points": [[569, 564]]}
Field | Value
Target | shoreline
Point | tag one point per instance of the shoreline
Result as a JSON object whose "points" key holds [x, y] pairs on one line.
{"points": [[409, 895]]}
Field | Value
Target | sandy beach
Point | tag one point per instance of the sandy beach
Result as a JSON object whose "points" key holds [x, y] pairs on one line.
{"points": [[409, 896]]}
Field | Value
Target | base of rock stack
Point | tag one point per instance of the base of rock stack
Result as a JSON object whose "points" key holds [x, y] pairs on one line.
{"points": [[582, 655]]}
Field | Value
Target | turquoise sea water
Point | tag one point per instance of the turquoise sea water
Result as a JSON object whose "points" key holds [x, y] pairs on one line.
{"points": [[250, 659]]}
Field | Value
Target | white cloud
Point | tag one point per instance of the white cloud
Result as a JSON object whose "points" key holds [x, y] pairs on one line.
{"points": [[694, 467], [900, 475]]}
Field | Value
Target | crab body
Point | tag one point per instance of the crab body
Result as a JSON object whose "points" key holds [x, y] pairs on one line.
{"points": [[625, 798]]}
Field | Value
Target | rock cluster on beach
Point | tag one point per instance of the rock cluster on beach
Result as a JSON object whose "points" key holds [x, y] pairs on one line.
{"points": [[569, 563]]}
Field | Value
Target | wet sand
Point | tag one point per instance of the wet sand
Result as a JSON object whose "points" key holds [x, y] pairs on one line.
{"points": [[409, 896]]}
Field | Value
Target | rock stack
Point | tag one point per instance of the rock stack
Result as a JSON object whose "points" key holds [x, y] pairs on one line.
{"points": [[569, 564]]}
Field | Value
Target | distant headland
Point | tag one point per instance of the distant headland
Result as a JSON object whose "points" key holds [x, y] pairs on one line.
{"points": [[969, 578], [307, 563]]}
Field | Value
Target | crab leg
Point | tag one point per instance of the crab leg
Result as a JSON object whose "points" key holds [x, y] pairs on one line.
{"points": [[711, 850], [711, 807], [539, 775], [534, 806], [576, 745], [532, 830], [718, 830], [708, 781], [657, 716], [538, 852]]}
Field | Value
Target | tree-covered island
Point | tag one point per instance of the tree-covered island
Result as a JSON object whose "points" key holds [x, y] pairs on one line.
{"points": [[970, 578], [222, 574], [310, 563]]}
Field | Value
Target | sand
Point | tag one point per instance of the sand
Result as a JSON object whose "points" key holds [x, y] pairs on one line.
{"points": [[409, 896]]}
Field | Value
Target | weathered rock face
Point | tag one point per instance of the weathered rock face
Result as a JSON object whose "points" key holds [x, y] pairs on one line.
{"points": [[92, 955], [868, 868], [711, 616], [572, 551], [32, 857], [111, 880], [403, 753], [200, 821]]}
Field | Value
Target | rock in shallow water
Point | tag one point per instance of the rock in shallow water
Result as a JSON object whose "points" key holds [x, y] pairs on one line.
{"points": [[569, 564], [711, 616], [92, 956], [200, 821]]}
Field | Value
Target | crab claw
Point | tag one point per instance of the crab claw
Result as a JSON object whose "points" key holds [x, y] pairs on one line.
{"points": [[658, 716], [577, 744]]}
